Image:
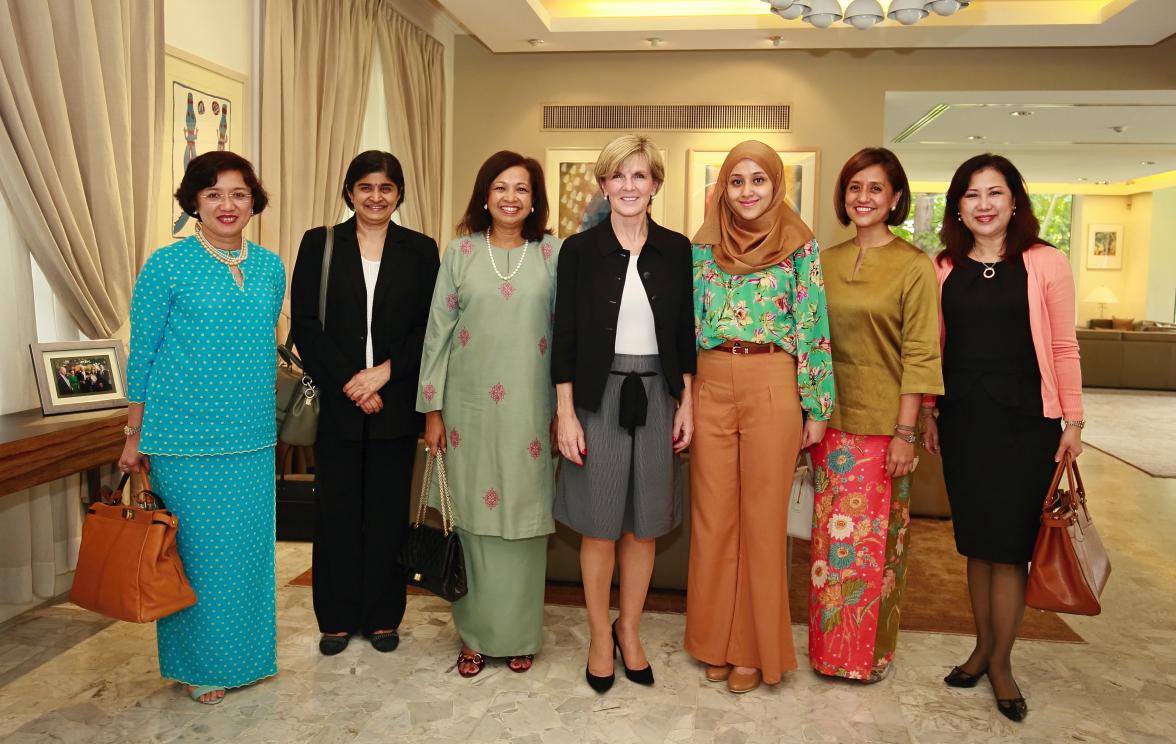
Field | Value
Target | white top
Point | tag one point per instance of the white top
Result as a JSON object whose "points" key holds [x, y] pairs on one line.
{"points": [[371, 270], [635, 331]]}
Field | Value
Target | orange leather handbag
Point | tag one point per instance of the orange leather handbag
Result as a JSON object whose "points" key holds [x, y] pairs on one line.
{"points": [[128, 566], [1070, 566]]}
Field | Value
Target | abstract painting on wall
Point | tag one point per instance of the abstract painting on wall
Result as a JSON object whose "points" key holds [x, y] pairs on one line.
{"points": [[702, 174], [575, 199]]}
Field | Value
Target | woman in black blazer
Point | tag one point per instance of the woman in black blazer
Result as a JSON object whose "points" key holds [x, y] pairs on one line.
{"points": [[622, 358], [364, 356]]}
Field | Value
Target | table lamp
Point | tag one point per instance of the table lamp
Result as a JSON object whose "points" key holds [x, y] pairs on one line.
{"points": [[1102, 297]]}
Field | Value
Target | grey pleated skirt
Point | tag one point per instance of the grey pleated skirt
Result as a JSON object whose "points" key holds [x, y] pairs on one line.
{"points": [[628, 483]]}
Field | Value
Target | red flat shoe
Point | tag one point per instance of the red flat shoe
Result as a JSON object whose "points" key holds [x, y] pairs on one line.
{"points": [[476, 659], [524, 663]]}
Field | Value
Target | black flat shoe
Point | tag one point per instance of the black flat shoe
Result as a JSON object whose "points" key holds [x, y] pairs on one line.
{"points": [[639, 676], [600, 684], [385, 641], [329, 645], [959, 678]]}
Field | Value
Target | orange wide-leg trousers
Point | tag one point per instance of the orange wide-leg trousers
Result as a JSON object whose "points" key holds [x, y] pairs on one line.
{"points": [[747, 432]]}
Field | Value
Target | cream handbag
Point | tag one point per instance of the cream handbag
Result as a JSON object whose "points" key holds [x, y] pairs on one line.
{"points": [[800, 502]]}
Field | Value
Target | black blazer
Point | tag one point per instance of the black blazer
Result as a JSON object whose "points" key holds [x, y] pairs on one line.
{"points": [[591, 278], [400, 312]]}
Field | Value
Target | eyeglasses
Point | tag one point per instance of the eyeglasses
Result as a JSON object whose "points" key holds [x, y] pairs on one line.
{"points": [[238, 197]]}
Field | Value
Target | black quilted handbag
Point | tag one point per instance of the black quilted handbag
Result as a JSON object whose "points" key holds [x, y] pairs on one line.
{"points": [[432, 558]]}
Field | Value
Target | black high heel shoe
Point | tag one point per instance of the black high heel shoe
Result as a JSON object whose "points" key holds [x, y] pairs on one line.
{"points": [[1014, 709], [959, 678], [639, 676], [600, 684]]}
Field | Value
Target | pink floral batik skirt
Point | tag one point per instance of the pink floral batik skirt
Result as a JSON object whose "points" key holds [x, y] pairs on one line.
{"points": [[860, 523]]}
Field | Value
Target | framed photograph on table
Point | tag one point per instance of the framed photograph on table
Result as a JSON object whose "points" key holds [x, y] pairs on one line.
{"points": [[204, 109], [80, 375], [702, 172], [1104, 247], [575, 199]]}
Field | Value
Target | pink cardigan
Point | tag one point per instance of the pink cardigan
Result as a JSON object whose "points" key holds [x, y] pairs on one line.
{"points": [[1051, 322]]}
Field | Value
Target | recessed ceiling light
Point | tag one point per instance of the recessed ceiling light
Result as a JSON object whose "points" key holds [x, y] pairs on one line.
{"points": [[536, 42], [975, 137], [1083, 178], [655, 41], [1119, 129], [1102, 182], [1020, 113], [776, 40], [1147, 162]]}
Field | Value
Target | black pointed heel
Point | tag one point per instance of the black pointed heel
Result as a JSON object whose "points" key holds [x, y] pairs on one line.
{"points": [[959, 678], [638, 676], [1014, 709], [600, 684]]}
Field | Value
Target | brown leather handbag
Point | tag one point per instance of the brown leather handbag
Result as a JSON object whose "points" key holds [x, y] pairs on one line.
{"points": [[128, 566], [1070, 566]]}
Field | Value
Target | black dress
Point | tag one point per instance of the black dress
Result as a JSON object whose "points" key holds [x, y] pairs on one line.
{"points": [[998, 446]]}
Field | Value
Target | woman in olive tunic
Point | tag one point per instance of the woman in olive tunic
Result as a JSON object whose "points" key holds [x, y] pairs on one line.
{"points": [[884, 333], [488, 402]]}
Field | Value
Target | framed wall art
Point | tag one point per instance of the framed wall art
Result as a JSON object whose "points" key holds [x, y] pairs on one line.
{"points": [[80, 375], [1104, 247], [702, 171], [575, 200], [204, 110]]}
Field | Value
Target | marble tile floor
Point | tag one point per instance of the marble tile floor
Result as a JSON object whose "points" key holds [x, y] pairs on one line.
{"points": [[68, 676]]}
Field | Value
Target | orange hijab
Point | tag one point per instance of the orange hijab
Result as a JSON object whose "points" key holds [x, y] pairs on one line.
{"points": [[744, 246]]}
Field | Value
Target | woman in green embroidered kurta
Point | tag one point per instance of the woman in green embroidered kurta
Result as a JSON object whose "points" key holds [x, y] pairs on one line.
{"points": [[486, 392], [883, 316], [761, 325]]}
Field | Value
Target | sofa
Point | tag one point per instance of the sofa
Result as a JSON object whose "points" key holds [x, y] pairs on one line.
{"points": [[1140, 359]]}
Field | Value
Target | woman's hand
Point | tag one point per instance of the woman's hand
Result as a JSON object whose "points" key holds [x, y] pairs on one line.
{"points": [[371, 403], [367, 381], [814, 431], [571, 438], [132, 460], [435, 437], [1071, 443], [930, 434], [900, 457], [683, 430]]}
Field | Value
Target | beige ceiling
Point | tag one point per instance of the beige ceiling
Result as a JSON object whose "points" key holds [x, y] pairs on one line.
{"points": [[613, 25], [1078, 137]]}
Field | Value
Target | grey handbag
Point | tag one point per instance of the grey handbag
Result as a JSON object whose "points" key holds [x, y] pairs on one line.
{"points": [[800, 501], [297, 407]]}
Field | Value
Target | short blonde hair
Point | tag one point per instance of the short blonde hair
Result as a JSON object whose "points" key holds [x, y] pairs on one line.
{"points": [[615, 153]]}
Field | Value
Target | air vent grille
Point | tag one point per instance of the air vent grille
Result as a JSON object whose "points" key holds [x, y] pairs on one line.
{"points": [[685, 118]]}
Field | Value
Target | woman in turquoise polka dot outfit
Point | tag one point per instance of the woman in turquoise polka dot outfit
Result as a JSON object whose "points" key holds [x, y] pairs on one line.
{"points": [[201, 380]]}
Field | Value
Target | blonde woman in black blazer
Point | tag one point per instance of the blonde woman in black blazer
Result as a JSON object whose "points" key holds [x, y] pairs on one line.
{"points": [[365, 364]]}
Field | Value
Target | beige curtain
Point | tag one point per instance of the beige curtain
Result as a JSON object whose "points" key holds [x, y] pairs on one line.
{"points": [[414, 84], [315, 69], [79, 86]]}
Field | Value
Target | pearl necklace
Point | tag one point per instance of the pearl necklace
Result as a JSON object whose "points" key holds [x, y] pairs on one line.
{"points": [[233, 262], [494, 265]]}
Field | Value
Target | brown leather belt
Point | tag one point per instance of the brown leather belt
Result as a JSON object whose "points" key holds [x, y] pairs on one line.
{"points": [[747, 347]]}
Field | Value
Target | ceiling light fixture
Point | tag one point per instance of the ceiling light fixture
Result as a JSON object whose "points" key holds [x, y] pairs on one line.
{"points": [[1102, 182], [655, 41], [1020, 113], [536, 42], [1147, 162], [974, 137], [862, 14]]}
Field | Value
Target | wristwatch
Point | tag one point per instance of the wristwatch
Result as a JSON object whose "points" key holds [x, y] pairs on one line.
{"points": [[131, 431]]}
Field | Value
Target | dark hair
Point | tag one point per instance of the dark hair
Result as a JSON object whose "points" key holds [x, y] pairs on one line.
{"points": [[373, 161], [1023, 228], [477, 218], [203, 171], [863, 159]]}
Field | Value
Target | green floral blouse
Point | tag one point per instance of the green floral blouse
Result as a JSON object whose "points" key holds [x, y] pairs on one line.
{"points": [[784, 305]]}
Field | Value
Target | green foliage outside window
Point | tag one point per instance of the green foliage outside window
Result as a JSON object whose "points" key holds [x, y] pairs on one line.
{"points": [[922, 227]]}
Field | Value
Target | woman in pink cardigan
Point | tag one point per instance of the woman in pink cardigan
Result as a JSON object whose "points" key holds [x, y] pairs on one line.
{"points": [[1012, 402]]}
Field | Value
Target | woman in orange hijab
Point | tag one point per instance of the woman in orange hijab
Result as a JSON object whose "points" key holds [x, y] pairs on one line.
{"points": [[764, 390]]}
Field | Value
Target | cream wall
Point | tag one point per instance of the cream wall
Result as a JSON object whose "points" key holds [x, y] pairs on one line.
{"points": [[217, 30], [837, 97], [1161, 275], [1130, 283]]}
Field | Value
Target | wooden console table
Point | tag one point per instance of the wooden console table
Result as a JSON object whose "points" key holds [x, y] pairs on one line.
{"points": [[36, 449]]}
